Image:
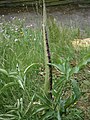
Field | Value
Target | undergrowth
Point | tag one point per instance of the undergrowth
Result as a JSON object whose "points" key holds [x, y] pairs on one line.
{"points": [[22, 71]]}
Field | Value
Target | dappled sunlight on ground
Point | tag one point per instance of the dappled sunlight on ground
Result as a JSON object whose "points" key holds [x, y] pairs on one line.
{"points": [[81, 43]]}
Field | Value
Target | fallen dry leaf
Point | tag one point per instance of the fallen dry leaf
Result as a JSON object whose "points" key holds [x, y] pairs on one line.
{"points": [[81, 43]]}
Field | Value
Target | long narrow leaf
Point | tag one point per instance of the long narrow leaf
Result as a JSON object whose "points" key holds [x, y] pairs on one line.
{"points": [[40, 108], [58, 115], [30, 67], [29, 105], [4, 72], [48, 115], [7, 86], [85, 60], [44, 100], [77, 94], [76, 89]]}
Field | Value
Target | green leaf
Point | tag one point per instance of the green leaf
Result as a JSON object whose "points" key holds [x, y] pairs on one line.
{"points": [[8, 118], [2, 118], [4, 71], [58, 93], [59, 67], [59, 83], [48, 115], [86, 82], [74, 70], [58, 115], [54, 65], [68, 73], [40, 108], [6, 115], [13, 76], [85, 60], [21, 84], [13, 73], [77, 94], [29, 105], [20, 81], [29, 67], [6, 86], [44, 99], [69, 101], [76, 89]]}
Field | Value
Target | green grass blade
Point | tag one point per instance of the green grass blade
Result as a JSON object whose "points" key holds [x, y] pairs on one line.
{"points": [[4, 72], [6, 86]]}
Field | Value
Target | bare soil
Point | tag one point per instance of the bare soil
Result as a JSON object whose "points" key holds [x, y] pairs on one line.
{"points": [[71, 16]]}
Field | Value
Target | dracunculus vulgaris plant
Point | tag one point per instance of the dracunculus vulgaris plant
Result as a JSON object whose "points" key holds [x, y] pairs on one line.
{"points": [[47, 57]]}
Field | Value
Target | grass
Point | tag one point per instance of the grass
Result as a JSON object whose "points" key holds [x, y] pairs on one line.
{"points": [[22, 56]]}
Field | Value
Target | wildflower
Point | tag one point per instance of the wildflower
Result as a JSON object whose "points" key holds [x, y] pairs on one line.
{"points": [[34, 39], [2, 15], [16, 40], [8, 36], [13, 18], [31, 25], [36, 103], [12, 29], [16, 29], [28, 26]]}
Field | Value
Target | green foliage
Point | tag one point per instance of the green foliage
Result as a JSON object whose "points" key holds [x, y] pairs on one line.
{"points": [[63, 98], [73, 114], [20, 62], [21, 67]]}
